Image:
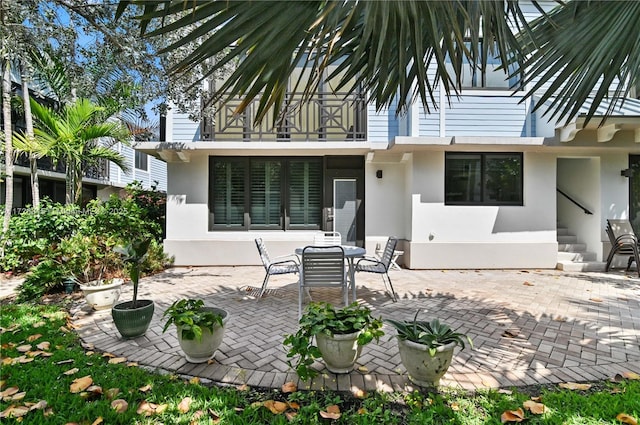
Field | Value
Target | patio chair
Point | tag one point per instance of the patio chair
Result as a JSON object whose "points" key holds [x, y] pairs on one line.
{"points": [[279, 265], [327, 239], [380, 266], [322, 266], [623, 242]]}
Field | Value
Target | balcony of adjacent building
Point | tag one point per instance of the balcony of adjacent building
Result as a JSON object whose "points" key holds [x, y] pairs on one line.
{"points": [[94, 171], [326, 116]]}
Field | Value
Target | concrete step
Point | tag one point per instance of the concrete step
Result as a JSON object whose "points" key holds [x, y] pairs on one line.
{"points": [[576, 256], [572, 247], [562, 231], [587, 266], [568, 239]]}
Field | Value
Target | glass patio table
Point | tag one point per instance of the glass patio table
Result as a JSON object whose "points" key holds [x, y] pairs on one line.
{"points": [[350, 252]]}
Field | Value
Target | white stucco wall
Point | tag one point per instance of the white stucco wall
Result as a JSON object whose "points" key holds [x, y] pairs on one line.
{"points": [[446, 236]]}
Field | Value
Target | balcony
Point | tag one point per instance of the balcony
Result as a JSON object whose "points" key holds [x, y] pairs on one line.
{"points": [[327, 116], [98, 171]]}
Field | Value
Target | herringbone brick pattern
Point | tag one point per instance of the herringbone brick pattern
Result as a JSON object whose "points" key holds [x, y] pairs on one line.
{"points": [[528, 327]]}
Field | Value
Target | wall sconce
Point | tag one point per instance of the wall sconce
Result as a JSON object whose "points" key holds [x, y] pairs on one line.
{"points": [[379, 174], [628, 172]]}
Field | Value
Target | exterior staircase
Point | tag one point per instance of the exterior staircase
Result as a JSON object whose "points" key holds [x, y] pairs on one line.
{"points": [[573, 256]]}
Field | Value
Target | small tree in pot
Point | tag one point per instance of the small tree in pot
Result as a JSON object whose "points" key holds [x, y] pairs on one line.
{"points": [[200, 328], [132, 318], [339, 333], [426, 348]]}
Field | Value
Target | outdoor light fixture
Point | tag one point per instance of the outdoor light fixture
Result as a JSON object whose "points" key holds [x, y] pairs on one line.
{"points": [[628, 172], [379, 174]]}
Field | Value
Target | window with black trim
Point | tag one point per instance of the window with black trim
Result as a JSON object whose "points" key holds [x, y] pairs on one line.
{"points": [[483, 178], [265, 193], [141, 161]]}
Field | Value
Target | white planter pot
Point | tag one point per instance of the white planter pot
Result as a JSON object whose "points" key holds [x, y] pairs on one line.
{"points": [[339, 352], [101, 297], [199, 351], [423, 369]]}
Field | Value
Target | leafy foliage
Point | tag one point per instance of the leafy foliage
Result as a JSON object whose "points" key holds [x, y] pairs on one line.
{"points": [[192, 317], [433, 334], [152, 203], [321, 317]]}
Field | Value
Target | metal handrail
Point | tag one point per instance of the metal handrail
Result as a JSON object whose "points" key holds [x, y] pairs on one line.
{"points": [[586, 211]]}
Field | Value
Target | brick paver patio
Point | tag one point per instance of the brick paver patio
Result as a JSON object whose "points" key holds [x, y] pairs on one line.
{"points": [[528, 327]]}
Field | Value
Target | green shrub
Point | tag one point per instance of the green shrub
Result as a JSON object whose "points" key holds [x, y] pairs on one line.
{"points": [[43, 278], [152, 202]]}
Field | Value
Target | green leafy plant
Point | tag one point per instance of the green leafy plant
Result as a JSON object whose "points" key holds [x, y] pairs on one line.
{"points": [[134, 254], [322, 317], [433, 334], [191, 316]]}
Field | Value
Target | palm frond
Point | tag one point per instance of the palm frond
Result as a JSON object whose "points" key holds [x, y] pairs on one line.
{"points": [[102, 152]]}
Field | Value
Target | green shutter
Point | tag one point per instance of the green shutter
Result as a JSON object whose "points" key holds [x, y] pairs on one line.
{"points": [[305, 193], [266, 199], [228, 190]]}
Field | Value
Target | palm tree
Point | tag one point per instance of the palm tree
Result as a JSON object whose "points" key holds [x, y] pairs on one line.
{"points": [[8, 145], [387, 46], [75, 136]]}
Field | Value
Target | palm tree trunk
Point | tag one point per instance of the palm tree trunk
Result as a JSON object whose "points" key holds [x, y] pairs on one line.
{"points": [[8, 152], [77, 180], [70, 194], [28, 118]]}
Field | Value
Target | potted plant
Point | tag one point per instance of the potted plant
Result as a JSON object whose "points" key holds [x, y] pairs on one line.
{"points": [[339, 335], [200, 328], [426, 348], [132, 318]]}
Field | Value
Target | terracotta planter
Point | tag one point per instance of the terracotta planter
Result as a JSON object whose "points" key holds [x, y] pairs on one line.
{"points": [[339, 352], [423, 369], [133, 322], [200, 351], [100, 296]]}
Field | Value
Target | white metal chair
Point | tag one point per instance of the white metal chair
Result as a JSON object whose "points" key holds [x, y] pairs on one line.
{"points": [[380, 266], [327, 239], [279, 265], [322, 266]]}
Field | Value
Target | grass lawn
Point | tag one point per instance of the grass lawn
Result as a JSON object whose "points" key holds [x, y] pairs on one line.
{"points": [[48, 378]]}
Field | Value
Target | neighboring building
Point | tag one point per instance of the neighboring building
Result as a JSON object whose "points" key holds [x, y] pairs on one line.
{"points": [[481, 182], [99, 182]]}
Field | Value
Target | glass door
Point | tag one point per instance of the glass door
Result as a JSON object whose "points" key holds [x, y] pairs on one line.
{"points": [[345, 209]]}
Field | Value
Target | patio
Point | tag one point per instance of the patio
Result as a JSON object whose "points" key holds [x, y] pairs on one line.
{"points": [[528, 327]]}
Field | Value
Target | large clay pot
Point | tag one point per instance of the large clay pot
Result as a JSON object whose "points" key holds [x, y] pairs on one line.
{"points": [[199, 351], [423, 368], [339, 352]]}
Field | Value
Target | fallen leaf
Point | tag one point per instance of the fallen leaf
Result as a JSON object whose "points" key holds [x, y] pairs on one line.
{"points": [[560, 319], [41, 405], [631, 375], [256, 404], [534, 407], [9, 392], [362, 411], [293, 405], [61, 362], [23, 348], [97, 421], [112, 393], [215, 417], [455, 406], [32, 338], [595, 299], [574, 386], [19, 396], [117, 360], [626, 419], [184, 405], [528, 284], [89, 353], [65, 330], [71, 371], [145, 389], [146, 408], [195, 380], [363, 369], [81, 384], [537, 399], [38, 324], [119, 405], [359, 393], [14, 412], [211, 361], [290, 415], [23, 359], [276, 407], [510, 333], [289, 387], [512, 416], [108, 355], [34, 353], [161, 408], [332, 412], [132, 364], [503, 391], [243, 387]]}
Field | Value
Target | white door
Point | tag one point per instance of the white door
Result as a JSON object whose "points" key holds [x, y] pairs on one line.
{"points": [[345, 207]]}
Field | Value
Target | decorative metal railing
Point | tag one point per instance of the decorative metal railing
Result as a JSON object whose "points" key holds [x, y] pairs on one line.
{"points": [[327, 116], [98, 171]]}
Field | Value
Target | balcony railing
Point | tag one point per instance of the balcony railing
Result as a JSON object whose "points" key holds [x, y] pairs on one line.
{"points": [[98, 171], [327, 116]]}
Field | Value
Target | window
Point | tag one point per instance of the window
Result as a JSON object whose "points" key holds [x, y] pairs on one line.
{"points": [[489, 78], [265, 193], [483, 179], [142, 161]]}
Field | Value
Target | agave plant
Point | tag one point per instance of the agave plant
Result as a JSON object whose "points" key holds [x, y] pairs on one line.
{"points": [[433, 334]]}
